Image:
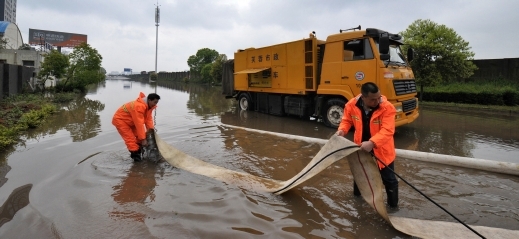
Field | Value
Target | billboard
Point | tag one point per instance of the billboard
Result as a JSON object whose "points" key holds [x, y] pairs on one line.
{"points": [[63, 39]]}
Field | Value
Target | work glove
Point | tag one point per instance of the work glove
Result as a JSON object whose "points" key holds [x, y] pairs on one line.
{"points": [[144, 143]]}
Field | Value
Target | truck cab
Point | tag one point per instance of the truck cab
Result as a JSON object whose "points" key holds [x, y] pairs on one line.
{"points": [[353, 58]]}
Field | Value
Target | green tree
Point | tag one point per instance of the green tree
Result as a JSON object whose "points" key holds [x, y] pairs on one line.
{"points": [[54, 64], [441, 55], [203, 57], [216, 70], [206, 73], [84, 69], [154, 76]]}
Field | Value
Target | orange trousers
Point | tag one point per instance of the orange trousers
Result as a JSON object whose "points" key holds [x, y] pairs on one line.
{"points": [[128, 133]]}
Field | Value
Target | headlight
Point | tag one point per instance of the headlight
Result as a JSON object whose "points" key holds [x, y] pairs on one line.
{"points": [[398, 108]]}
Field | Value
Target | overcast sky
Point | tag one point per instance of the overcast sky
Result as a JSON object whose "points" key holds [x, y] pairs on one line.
{"points": [[123, 31]]}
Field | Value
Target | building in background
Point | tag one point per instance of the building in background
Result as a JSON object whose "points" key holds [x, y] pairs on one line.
{"points": [[11, 33], [8, 10], [11, 54]]}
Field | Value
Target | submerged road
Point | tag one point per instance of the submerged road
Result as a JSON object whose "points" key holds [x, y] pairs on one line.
{"points": [[73, 178]]}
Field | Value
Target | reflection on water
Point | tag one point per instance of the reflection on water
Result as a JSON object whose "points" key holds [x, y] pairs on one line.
{"points": [[17, 200], [4, 169], [79, 117], [462, 134], [92, 89], [136, 188], [204, 100], [443, 142], [82, 118]]}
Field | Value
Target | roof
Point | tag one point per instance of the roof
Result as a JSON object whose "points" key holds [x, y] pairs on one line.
{"points": [[373, 32], [10, 32], [3, 27]]}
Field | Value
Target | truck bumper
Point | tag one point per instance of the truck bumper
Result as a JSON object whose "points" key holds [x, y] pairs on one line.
{"points": [[406, 119]]}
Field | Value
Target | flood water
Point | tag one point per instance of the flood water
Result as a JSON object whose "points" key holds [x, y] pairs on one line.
{"points": [[73, 177]]}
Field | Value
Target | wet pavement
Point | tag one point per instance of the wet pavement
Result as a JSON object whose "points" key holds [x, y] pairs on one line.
{"points": [[73, 178]]}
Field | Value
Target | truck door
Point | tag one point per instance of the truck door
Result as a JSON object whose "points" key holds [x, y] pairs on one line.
{"points": [[359, 65]]}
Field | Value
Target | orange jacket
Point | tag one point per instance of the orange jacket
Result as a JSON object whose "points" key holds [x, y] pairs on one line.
{"points": [[382, 128], [136, 114]]}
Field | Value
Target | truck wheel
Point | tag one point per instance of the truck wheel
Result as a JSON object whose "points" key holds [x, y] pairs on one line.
{"points": [[245, 102], [332, 112]]}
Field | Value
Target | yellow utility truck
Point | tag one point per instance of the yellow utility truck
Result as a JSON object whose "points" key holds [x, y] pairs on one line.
{"points": [[315, 78]]}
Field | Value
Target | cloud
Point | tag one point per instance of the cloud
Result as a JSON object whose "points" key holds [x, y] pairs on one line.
{"points": [[124, 31]]}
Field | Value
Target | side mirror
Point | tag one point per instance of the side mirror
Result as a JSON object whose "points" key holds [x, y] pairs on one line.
{"points": [[383, 43], [410, 54], [384, 57]]}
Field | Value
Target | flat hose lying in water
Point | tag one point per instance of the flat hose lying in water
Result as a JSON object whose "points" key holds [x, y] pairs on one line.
{"points": [[365, 172], [465, 162]]}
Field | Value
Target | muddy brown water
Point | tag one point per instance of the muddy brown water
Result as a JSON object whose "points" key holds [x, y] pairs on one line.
{"points": [[73, 178]]}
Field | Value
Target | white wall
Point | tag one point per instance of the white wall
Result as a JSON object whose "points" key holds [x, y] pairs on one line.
{"points": [[13, 36], [16, 57]]}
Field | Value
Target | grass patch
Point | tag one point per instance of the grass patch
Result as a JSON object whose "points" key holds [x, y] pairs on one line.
{"points": [[471, 106]]}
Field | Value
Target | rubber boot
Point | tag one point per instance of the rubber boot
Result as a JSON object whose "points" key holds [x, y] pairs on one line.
{"points": [[392, 197], [136, 155], [356, 191]]}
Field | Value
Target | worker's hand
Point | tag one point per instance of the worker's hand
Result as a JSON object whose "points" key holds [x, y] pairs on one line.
{"points": [[340, 133], [367, 146], [144, 143]]}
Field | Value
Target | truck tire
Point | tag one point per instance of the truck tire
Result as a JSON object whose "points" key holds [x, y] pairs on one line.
{"points": [[245, 102], [332, 112]]}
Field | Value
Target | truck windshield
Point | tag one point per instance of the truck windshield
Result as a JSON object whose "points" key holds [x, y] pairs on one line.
{"points": [[395, 55]]}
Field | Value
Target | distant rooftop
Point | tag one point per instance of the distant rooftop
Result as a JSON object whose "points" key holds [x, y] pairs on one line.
{"points": [[3, 27], [12, 34]]}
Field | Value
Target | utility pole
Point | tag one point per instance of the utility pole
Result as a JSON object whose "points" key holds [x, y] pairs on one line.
{"points": [[157, 20]]}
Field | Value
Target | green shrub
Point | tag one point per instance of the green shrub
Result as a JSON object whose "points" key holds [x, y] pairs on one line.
{"points": [[488, 93], [35, 117], [8, 136], [511, 97], [154, 76]]}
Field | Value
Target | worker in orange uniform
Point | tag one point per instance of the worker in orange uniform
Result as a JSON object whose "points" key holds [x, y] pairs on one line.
{"points": [[133, 119], [373, 118]]}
